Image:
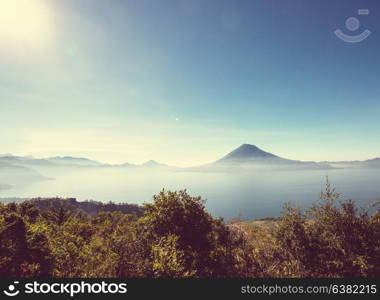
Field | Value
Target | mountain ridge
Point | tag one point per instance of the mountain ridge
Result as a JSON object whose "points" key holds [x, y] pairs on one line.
{"points": [[248, 154]]}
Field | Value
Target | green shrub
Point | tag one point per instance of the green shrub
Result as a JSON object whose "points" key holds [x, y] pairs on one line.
{"points": [[331, 239]]}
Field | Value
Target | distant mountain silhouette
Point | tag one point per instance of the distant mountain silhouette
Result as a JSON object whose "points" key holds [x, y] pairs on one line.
{"points": [[14, 174], [51, 161], [153, 163], [250, 157], [245, 157], [248, 152], [74, 161], [24, 160], [68, 161], [370, 163]]}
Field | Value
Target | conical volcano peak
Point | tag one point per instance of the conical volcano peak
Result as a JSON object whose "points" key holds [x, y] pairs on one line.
{"points": [[249, 147], [247, 151]]}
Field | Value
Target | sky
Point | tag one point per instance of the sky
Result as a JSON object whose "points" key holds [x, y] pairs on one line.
{"points": [[185, 82]]}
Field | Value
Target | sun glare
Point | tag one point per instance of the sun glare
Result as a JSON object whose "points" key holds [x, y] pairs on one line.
{"points": [[24, 21]]}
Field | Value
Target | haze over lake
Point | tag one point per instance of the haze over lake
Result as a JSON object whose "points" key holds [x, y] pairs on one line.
{"points": [[254, 194], [248, 181]]}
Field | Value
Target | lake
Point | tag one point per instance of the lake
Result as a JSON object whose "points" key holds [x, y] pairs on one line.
{"points": [[253, 194]]}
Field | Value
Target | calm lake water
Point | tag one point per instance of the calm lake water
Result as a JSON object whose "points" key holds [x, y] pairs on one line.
{"points": [[254, 194]]}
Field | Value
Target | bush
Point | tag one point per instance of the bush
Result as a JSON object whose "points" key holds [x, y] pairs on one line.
{"points": [[332, 239], [206, 246]]}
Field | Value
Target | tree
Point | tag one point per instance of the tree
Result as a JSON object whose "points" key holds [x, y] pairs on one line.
{"points": [[23, 252], [200, 245], [332, 239], [13, 245]]}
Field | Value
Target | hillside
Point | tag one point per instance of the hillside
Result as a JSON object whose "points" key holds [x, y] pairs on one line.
{"points": [[91, 208]]}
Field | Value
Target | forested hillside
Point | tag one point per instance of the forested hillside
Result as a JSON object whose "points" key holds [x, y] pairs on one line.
{"points": [[86, 207]]}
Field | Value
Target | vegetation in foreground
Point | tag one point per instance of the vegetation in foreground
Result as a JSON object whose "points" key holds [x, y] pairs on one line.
{"points": [[177, 237]]}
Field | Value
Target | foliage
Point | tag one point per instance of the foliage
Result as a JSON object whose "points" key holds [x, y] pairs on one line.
{"points": [[177, 237], [91, 207], [331, 239], [201, 245], [23, 252]]}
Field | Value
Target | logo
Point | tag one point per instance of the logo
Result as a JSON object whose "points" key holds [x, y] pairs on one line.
{"points": [[353, 24], [12, 290], [68, 288]]}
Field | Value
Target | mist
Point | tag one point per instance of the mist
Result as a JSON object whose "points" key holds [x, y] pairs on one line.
{"points": [[245, 191]]}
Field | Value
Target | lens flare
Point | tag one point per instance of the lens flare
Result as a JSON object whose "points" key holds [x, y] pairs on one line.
{"points": [[27, 22]]}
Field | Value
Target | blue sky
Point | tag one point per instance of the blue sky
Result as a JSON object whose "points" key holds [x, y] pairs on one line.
{"points": [[184, 82]]}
